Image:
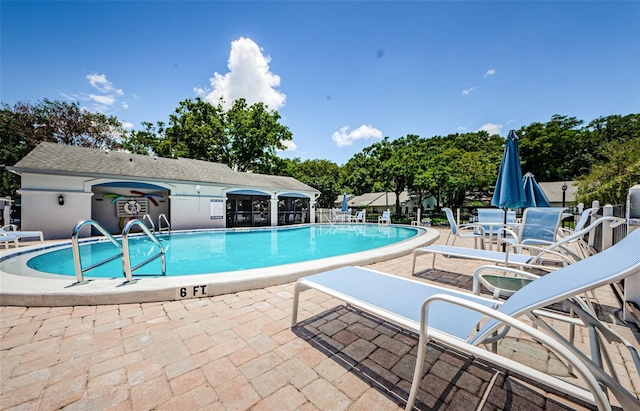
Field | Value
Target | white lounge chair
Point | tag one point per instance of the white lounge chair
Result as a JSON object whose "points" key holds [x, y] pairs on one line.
{"points": [[359, 217], [451, 317], [558, 253], [7, 238], [471, 230], [12, 229], [385, 218]]}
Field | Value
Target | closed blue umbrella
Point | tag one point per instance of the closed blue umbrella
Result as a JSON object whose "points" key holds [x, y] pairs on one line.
{"points": [[533, 194], [509, 193], [345, 206]]}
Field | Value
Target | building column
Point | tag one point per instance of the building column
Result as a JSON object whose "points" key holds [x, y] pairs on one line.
{"points": [[312, 210], [274, 210]]}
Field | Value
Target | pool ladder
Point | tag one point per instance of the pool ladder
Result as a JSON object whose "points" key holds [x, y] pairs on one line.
{"points": [[161, 219], [123, 249]]}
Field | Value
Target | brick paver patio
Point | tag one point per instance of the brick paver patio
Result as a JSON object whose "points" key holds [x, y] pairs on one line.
{"points": [[238, 352]]}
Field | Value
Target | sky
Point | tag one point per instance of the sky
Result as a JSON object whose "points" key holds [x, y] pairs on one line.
{"points": [[341, 74]]}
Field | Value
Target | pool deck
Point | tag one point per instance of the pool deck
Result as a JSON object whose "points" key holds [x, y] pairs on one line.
{"points": [[237, 351]]}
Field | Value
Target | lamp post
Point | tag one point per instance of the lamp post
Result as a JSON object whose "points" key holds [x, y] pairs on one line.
{"points": [[564, 197]]}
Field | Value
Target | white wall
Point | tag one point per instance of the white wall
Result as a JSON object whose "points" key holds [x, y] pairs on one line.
{"points": [[187, 205], [41, 211], [189, 212]]}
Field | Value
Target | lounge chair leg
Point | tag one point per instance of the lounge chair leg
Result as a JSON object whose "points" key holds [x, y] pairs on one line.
{"points": [[294, 309], [417, 374], [413, 267]]}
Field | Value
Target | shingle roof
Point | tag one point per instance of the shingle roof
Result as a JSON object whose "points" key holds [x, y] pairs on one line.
{"points": [[376, 199], [553, 190], [389, 199], [52, 158]]}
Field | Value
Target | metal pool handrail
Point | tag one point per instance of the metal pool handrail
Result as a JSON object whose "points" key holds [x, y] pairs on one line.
{"points": [[128, 270], [123, 248], [77, 262], [160, 227], [148, 217]]}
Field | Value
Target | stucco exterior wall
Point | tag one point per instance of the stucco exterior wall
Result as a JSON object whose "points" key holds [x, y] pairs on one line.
{"points": [[40, 209], [188, 212], [186, 205]]}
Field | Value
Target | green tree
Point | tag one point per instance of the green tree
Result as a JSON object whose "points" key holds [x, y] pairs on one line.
{"points": [[401, 167], [255, 134], [610, 181], [360, 173], [452, 166], [24, 125], [197, 130], [554, 150], [146, 141], [244, 138], [323, 175]]}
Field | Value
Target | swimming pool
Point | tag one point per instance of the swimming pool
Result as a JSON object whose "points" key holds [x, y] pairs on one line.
{"points": [[203, 252], [22, 285]]}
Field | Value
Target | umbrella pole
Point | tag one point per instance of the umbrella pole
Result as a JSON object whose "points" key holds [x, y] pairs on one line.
{"points": [[504, 222]]}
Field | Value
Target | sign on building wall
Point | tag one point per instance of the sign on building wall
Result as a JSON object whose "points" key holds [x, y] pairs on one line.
{"points": [[217, 209], [132, 206]]}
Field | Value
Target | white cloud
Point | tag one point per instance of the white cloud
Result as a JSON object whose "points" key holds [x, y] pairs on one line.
{"points": [[100, 83], [489, 72], [291, 146], [249, 77], [345, 136], [127, 124], [491, 128], [104, 100], [467, 91]]}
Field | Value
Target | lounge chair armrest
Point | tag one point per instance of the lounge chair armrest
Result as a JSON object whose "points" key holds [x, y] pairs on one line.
{"points": [[475, 227], [10, 227], [535, 241], [502, 231], [600, 398], [540, 252]]}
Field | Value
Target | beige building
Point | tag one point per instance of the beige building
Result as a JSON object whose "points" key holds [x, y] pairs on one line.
{"points": [[553, 191], [62, 185], [376, 203]]}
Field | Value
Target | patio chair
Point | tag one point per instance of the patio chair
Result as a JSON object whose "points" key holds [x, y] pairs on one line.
{"points": [[6, 238], [359, 217], [452, 318], [385, 218], [339, 216], [584, 247], [565, 251], [580, 224], [12, 229], [471, 230], [539, 226]]}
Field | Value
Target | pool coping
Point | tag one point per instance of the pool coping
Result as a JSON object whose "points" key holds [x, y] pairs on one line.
{"points": [[59, 291]]}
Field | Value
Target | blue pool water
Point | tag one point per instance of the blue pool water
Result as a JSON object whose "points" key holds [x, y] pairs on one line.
{"points": [[221, 251]]}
